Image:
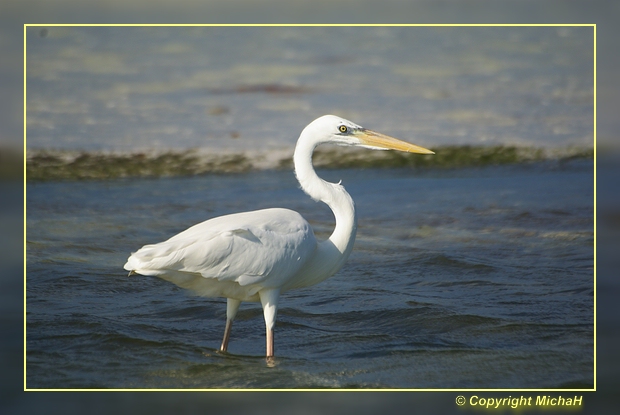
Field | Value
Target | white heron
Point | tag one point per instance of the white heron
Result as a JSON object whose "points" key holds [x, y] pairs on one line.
{"points": [[256, 256]]}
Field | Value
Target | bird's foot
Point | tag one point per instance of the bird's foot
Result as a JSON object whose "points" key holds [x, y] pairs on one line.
{"points": [[271, 361]]}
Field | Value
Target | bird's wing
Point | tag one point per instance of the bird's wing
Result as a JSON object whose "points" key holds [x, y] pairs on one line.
{"points": [[266, 246]]}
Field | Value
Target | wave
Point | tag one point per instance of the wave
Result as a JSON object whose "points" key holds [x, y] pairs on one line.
{"points": [[53, 165]]}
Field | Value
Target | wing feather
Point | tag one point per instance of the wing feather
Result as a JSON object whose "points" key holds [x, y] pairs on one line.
{"points": [[264, 247]]}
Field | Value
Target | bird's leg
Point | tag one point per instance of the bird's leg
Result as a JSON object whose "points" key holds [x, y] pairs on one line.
{"points": [[269, 342], [232, 306], [269, 300], [224, 345]]}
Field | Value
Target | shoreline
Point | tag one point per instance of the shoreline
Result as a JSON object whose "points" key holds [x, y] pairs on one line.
{"points": [[60, 165]]}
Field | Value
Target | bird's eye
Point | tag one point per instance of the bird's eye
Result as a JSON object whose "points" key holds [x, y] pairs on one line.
{"points": [[343, 128]]}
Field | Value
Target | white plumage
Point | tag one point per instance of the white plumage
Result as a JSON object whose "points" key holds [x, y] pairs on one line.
{"points": [[249, 251], [255, 256]]}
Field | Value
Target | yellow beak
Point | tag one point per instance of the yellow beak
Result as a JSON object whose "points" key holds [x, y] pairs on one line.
{"points": [[382, 141]]}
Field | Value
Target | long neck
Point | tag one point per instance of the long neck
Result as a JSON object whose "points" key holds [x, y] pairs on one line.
{"points": [[334, 195]]}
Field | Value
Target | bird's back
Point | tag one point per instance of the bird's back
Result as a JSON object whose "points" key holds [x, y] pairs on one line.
{"points": [[231, 256]]}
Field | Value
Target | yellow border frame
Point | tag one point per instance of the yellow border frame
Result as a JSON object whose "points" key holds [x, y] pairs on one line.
{"points": [[310, 390]]}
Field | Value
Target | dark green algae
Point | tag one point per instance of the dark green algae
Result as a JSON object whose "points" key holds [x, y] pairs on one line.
{"points": [[53, 165]]}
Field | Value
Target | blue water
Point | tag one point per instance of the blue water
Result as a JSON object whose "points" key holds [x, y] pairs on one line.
{"points": [[460, 278], [469, 278]]}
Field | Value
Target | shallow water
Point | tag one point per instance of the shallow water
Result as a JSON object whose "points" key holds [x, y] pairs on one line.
{"points": [[464, 278], [475, 277], [254, 88]]}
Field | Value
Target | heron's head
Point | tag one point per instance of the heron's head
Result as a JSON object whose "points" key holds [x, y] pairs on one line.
{"points": [[336, 130]]}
